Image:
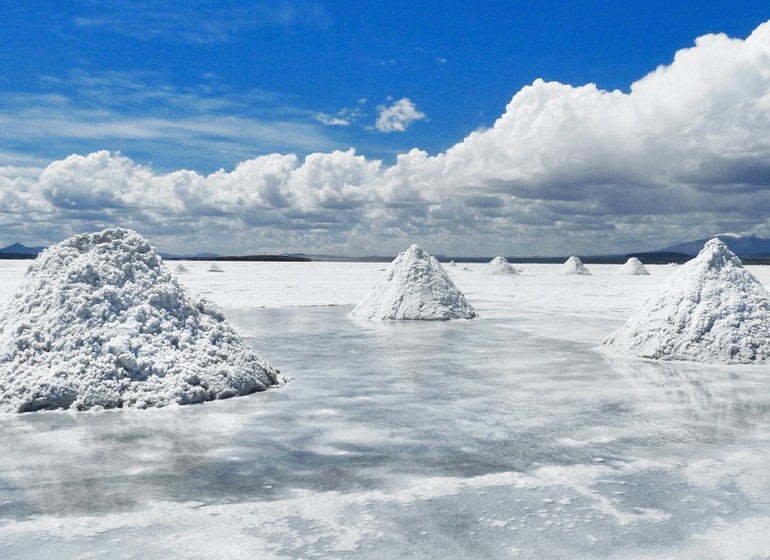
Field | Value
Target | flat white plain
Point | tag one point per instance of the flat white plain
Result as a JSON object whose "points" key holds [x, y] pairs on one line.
{"points": [[506, 436]]}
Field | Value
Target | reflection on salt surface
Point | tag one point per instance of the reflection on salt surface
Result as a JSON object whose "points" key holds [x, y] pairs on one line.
{"points": [[720, 401], [494, 438]]}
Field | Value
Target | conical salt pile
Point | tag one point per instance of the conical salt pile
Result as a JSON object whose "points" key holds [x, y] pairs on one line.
{"points": [[100, 322], [181, 269], [633, 267], [573, 265], [214, 268], [414, 287], [710, 310], [500, 266], [452, 263]]}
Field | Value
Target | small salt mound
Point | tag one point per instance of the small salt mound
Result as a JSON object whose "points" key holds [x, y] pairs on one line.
{"points": [[452, 263], [499, 266], [214, 268], [573, 265], [414, 287], [633, 267], [99, 321], [710, 310], [181, 269]]}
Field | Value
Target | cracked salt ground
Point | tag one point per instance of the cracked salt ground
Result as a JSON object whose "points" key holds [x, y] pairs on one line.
{"points": [[509, 436]]}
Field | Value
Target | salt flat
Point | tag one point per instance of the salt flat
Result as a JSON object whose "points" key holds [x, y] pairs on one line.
{"points": [[506, 436]]}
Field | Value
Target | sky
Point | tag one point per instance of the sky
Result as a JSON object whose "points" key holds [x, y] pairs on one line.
{"points": [[517, 128]]}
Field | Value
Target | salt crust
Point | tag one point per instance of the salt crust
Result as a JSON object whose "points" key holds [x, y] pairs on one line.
{"points": [[633, 267], [499, 266], [414, 287], [573, 265], [710, 310], [100, 322]]}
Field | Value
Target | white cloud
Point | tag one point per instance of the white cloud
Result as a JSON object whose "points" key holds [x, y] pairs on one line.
{"points": [[344, 117], [398, 116], [332, 120], [564, 169]]}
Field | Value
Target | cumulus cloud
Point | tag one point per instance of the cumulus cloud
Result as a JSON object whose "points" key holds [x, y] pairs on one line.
{"points": [[398, 116], [564, 169]]}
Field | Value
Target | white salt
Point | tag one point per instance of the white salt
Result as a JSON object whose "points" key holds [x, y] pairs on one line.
{"points": [[414, 287], [100, 322], [573, 265], [214, 268], [710, 310], [499, 266], [181, 269], [633, 267]]}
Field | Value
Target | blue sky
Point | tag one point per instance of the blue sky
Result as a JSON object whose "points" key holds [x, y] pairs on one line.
{"points": [[154, 98]]}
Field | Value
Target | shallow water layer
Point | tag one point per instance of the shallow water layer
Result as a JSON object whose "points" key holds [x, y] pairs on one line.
{"points": [[506, 436]]}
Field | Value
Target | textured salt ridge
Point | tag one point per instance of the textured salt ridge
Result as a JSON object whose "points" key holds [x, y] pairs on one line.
{"points": [[573, 265], [499, 266], [710, 310], [633, 267], [414, 287], [100, 322]]}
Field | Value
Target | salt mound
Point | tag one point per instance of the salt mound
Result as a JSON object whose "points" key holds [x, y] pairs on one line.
{"points": [[100, 321], [633, 267], [573, 265], [181, 269], [452, 263], [499, 265], [415, 287], [710, 310], [214, 268]]}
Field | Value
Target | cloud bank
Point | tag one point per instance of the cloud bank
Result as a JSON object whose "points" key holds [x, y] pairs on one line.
{"points": [[686, 153]]}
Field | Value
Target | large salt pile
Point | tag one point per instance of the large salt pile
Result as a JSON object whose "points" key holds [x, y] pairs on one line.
{"points": [[414, 287], [710, 310], [100, 321], [633, 267], [500, 266], [573, 265]]}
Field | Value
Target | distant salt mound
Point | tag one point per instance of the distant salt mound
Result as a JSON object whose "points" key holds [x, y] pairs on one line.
{"points": [[181, 269], [633, 267], [452, 263], [100, 322], [414, 287], [573, 265], [499, 266], [710, 310], [214, 268]]}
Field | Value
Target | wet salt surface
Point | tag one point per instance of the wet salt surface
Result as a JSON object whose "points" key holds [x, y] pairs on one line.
{"points": [[508, 436]]}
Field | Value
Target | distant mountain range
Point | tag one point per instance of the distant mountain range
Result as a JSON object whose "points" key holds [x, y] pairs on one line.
{"points": [[743, 246], [19, 251]]}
